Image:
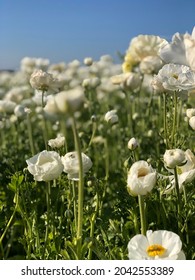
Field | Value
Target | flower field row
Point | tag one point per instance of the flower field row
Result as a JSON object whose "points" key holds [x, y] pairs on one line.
{"points": [[97, 158]]}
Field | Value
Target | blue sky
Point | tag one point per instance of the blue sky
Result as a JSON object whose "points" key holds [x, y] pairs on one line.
{"points": [[64, 30]]}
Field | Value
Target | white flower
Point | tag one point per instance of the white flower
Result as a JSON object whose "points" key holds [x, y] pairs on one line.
{"points": [[20, 111], [192, 122], [173, 158], [111, 117], [141, 47], [174, 77], [181, 50], [43, 81], [141, 178], [88, 61], [145, 45], [190, 112], [70, 100], [132, 144], [71, 165], [129, 80], [150, 64], [45, 166], [7, 106], [91, 83], [58, 142], [157, 245], [185, 172]]}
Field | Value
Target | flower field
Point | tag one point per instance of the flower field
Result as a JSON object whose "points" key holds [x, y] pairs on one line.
{"points": [[97, 158]]}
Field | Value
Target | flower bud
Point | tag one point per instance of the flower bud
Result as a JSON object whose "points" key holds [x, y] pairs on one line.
{"points": [[174, 157], [111, 117], [132, 144], [88, 61]]}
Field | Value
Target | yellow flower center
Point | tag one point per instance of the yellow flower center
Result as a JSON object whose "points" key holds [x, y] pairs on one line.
{"points": [[175, 76], [155, 250], [142, 172]]}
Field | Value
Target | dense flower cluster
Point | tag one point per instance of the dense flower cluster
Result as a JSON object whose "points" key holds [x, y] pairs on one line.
{"points": [[126, 131]]}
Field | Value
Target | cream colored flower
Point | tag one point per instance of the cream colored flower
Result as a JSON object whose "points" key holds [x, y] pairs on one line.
{"points": [[150, 64], [71, 165], [43, 81], [156, 245], [88, 61], [69, 101], [45, 166], [192, 122], [7, 106], [111, 117], [173, 158], [129, 80], [190, 112], [132, 144], [181, 50], [141, 178], [91, 83], [186, 172], [58, 142], [174, 77]]}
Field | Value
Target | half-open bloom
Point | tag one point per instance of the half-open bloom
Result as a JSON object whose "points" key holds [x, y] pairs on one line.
{"points": [[45, 166], [71, 164], [141, 178]]}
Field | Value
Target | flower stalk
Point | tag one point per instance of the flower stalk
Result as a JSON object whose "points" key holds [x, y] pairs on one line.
{"points": [[142, 214], [80, 188]]}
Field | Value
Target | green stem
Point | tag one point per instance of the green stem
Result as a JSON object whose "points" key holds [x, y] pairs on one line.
{"points": [[92, 229], [165, 120], [129, 112], [30, 135], [178, 200], [142, 214], [187, 231], [48, 194], [9, 223], [45, 131], [80, 187], [173, 136], [106, 159], [74, 203]]}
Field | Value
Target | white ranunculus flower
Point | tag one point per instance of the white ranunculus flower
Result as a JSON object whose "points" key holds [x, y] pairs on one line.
{"points": [[70, 100], [174, 77], [151, 64], [45, 166], [173, 158], [185, 172], [111, 117], [141, 47], [58, 142], [190, 112], [91, 83], [181, 50], [43, 81], [7, 106], [141, 178], [156, 245], [192, 122], [71, 164], [145, 45]]}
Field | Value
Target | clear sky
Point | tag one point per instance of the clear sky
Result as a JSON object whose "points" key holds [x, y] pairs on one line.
{"points": [[64, 30]]}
